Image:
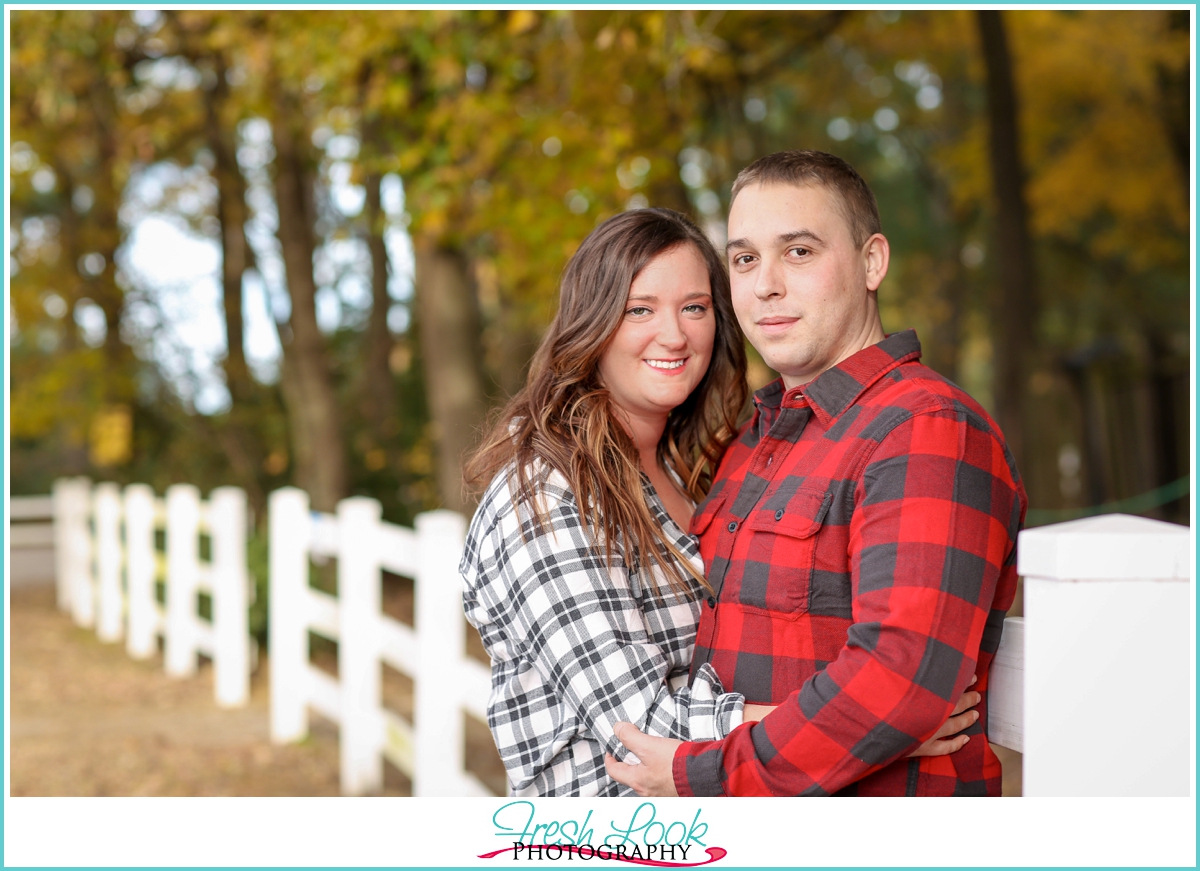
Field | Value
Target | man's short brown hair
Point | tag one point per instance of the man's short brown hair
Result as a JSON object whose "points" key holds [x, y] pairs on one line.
{"points": [[802, 168]]}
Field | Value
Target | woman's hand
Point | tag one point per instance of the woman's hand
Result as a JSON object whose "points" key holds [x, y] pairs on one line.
{"points": [[963, 716]]}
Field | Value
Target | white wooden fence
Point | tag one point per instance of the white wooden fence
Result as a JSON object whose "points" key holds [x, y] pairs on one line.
{"points": [[107, 565], [1108, 658], [1102, 596], [1102, 658], [446, 682]]}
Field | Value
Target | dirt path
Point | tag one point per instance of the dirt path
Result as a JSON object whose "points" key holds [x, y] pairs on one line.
{"points": [[86, 720]]}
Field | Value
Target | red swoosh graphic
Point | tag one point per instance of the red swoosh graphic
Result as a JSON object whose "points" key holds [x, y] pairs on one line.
{"points": [[715, 854]]}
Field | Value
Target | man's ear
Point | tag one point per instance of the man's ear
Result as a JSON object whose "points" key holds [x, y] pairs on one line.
{"points": [[876, 254]]}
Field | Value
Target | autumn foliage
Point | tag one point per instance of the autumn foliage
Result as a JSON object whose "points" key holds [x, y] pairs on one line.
{"points": [[404, 187]]}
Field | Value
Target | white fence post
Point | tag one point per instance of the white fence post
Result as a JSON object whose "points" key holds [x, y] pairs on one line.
{"points": [[72, 521], [359, 603], [183, 539], [289, 530], [1107, 657], [142, 630], [1006, 688], [106, 513], [66, 498], [441, 641], [230, 597]]}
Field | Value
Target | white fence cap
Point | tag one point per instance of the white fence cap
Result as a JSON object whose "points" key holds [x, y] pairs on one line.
{"points": [[1107, 547]]}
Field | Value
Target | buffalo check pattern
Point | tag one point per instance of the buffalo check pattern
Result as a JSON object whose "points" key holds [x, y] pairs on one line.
{"points": [[861, 537], [578, 646]]}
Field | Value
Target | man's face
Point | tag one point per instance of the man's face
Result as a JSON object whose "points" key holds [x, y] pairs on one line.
{"points": [[802, 290]]}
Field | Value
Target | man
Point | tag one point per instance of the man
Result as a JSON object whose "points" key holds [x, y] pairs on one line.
{"points": [[861, 531]]}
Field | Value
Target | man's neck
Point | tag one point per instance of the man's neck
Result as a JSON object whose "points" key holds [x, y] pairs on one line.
{"points": [[872, 334]]}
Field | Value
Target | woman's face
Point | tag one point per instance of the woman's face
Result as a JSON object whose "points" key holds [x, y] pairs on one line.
{"points": [[662, 348]]}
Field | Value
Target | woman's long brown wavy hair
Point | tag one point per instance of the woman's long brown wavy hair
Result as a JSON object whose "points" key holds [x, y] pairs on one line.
{"points": [[564, 416]]}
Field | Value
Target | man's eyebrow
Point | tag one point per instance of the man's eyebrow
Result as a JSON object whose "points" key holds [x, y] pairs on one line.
{"points": [[781, 239], [798, 236]]}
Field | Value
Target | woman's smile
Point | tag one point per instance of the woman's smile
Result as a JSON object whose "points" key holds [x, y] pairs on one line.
{"points": [[668, 366]]}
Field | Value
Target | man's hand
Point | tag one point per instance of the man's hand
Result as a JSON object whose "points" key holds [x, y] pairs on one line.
{"points": [[653, 776], [939, 744]]}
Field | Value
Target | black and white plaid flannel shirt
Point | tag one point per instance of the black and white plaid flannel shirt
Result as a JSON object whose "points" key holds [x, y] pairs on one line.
{"points": [[577, 647]]}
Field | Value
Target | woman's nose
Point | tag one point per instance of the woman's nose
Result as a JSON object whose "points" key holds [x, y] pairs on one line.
{"points": [[671, 334]]}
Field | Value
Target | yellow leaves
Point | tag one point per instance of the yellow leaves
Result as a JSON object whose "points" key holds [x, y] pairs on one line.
{"points": [[447, 72], [110, 440], [409, 159], [54, 393], [1101, 171], [654, 23], [521, 21], [276, 462]]}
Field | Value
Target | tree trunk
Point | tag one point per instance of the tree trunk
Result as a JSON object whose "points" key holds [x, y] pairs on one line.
{"points": [[235, 250], [942, 351], [1014, 302], [1166, 422], [1175, 96], [379, 397], [103, 234], [448, 324], [313, 412]]}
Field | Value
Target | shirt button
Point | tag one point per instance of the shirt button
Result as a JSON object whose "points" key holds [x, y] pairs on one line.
{"points": [[779, 514], [712, 602], [732, 527], [770, 459]]}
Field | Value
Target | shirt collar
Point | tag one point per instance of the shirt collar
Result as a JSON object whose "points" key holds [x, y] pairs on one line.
{"points": [[836, 389]]}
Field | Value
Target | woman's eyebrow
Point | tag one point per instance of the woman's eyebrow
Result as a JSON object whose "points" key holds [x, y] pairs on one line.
{"points": [[649, 297]]}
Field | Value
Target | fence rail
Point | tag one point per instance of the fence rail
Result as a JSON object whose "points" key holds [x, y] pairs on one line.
{"points": [[31, 542], [446, 682]]}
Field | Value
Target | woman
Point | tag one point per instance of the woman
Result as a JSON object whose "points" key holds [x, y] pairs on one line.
{"points": [[580, 575]]}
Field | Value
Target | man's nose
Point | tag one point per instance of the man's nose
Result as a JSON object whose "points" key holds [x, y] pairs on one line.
{"points": [[768, 280]]}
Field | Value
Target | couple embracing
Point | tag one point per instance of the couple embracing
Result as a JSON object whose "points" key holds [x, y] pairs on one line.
{"points": [[803, 604]]}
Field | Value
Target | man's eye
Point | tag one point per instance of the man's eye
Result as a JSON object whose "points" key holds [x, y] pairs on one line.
{"points": [[742, 259], [799, 251]]}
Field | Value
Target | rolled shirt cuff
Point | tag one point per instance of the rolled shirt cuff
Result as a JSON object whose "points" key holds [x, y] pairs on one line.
{"points": [[709, 712]]}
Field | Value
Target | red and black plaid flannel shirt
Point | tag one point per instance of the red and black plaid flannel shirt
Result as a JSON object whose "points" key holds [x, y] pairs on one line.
{"points": [[861, 537]]}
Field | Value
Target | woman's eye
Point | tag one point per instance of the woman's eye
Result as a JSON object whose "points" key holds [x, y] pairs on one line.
{"points": [[638, 311], [696, 308]]}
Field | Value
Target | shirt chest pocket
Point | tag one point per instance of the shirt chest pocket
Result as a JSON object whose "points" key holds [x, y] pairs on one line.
{"points": [[782, 549]]}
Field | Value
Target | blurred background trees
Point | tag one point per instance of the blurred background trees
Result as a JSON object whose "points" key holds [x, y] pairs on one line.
{"points": [[315, 247]]}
